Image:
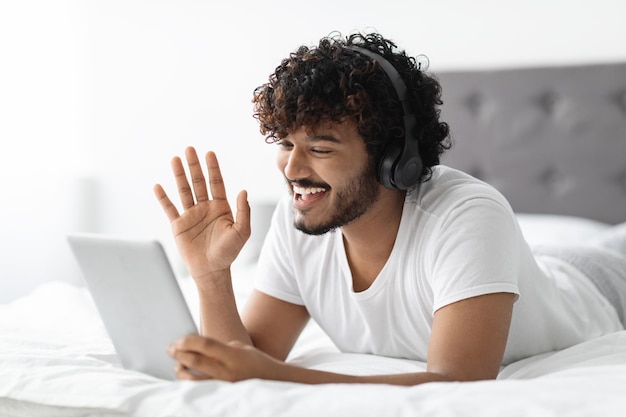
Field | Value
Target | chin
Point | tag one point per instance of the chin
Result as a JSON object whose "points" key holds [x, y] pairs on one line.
{"points": [[310, 229], [313, 231]]}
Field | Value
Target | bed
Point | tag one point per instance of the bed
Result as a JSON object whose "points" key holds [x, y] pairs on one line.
{"points": [[553, 140]]}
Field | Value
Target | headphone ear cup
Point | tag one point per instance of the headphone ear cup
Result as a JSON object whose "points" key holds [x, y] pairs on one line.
{"points": [[387, 166], [397, 171], [408, 171]]}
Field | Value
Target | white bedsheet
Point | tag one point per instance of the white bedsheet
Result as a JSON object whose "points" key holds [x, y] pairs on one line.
{"points": [[57, 360], [60, 362]]}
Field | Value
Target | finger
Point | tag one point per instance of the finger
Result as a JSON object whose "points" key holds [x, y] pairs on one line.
{"points": [[218, 191], [197, 176], [170, 209], [182, 372], [184, 190], [197, 365], [201, 356], [203, 345], [242, 223]]}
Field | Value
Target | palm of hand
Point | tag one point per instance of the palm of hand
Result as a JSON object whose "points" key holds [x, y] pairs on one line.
{"points": [[208, 237]]}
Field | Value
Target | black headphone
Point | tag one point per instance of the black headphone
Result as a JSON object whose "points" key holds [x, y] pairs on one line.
{"points": [[400, 166]]}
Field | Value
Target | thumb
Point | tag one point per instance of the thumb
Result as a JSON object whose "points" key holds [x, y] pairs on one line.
{"points": [[242, 218]]}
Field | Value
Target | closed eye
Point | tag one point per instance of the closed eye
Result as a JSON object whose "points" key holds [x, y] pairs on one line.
{"points": [[284, 144], [320, 151]]}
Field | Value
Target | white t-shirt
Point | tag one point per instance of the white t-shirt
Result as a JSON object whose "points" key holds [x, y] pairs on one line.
{"points": [[458, 238]]}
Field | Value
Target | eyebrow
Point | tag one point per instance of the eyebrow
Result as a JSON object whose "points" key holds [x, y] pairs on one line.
{"points": [[323, 138]]}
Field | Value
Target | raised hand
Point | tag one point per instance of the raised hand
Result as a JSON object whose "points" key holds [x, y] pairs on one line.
{"points": [[208, 237]]}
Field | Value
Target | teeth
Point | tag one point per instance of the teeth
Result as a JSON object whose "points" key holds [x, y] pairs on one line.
{"points": [[305, 191]]}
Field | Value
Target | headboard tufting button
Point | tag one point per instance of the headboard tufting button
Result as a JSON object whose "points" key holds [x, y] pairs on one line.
{"points": [[547, 101], [621, 101], [473, 103], [621, 181], [477, 172], [552, 179]]}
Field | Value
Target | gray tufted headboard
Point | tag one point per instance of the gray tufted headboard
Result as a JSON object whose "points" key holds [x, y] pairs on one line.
{"points": [[552, 140]]}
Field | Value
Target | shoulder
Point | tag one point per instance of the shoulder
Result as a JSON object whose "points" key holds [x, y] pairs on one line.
{"points": [[454, 206], [449, 188]]}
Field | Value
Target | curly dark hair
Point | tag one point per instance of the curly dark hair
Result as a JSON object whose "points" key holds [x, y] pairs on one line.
{"points": [[332, 82]]}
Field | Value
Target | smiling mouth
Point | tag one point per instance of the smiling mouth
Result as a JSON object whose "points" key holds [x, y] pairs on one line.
{"points": [[305, 197], [308, 193]]}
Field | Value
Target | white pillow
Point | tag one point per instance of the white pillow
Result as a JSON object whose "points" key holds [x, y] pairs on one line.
{"points": [[551, 229]]}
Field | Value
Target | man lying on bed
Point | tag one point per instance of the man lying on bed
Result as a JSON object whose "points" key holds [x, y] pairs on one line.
{"points": [[391, 253]]}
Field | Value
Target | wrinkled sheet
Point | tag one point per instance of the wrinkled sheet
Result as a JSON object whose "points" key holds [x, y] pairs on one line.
{"points": [[57, 360]]}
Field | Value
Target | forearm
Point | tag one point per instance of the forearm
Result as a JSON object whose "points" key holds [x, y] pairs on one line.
{"points": [[219, 316], [212, 359], [311, 376]]}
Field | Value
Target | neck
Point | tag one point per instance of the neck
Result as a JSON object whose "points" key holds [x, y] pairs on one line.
{"points": [[369, 240]]}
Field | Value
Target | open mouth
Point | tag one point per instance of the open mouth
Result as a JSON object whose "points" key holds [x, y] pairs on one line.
{"points": [[304, 197]]}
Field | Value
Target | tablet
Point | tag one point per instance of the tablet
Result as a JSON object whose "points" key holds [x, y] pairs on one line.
{"points": [[138, 298]]}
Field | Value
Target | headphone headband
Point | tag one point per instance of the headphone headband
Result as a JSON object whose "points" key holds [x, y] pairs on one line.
{"points": [[392, 74], [400, 167]]}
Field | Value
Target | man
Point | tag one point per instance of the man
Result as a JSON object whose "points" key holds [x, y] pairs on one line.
{"points": [[391, 253]]}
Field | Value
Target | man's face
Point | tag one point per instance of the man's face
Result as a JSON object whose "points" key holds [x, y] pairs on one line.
{"points": [[330, 176]]}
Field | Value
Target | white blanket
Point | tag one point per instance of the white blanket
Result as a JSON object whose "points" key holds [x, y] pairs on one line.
{"points": [[60, 362]]}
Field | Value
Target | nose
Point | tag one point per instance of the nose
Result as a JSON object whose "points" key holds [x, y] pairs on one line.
{"points": [[294, 163]]}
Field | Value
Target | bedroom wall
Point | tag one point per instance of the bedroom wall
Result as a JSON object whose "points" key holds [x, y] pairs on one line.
{"points": [[96, 96]]}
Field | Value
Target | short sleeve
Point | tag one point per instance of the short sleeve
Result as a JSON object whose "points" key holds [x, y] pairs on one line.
{"points": [[477, 252]]}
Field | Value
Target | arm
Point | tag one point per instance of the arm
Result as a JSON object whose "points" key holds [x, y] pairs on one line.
{"points": [[274, 325], [209, 240], [467, 343]]}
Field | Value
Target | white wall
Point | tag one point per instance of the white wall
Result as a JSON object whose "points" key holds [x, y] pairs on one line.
{"points": [[96, 96]]}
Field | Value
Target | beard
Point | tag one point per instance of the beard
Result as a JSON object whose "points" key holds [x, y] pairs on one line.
{"points": [[352, 202]]}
